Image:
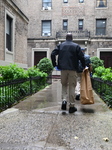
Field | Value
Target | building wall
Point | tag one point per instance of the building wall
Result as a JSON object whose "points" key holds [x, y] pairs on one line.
{"points": [[2, 37], [39, 45], [23, 10], [73, 11], [22, 5], [20, 33]]}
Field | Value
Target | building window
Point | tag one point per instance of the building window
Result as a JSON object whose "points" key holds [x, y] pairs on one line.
{"points": [[81, 1], [9, 31], [47, 4], [100, 26], [65, 1], [65, 24], [80, 25], [46, 28], [101, 3]]}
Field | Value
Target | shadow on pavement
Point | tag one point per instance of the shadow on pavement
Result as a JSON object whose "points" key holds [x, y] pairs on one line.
{"points": [[87, 110]]}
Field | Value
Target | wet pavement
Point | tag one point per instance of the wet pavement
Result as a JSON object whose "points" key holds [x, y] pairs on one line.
{"points": [[37, 123]]}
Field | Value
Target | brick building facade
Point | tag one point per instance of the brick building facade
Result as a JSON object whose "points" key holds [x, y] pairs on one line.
{"points": [[31, 29], [13, 32], [89, 22]]}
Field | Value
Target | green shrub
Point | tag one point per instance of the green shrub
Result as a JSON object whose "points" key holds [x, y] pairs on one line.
{"points": [[107, 75], [11, 72], [34, 72], [96, 62], [20, 90], [98, 72], [45, 65], [103, 73]]}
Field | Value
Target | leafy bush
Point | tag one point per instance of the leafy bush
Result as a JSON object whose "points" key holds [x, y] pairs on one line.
{"points": [[107, 75], [36, 81], [96, 62], [11, 72], [34, 72], [103, 73], [104, 88], [98, 72], [45, 65]]}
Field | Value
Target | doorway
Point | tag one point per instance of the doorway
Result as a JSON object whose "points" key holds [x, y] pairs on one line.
{"points": [[107, 57], [38, 56]]}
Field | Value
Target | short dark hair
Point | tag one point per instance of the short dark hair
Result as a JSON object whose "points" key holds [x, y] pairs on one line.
{"points": [[69, 36]]}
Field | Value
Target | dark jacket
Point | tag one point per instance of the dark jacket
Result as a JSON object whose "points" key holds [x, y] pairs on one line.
{"points": [[69, 54], [87, 60], [87, 63]]}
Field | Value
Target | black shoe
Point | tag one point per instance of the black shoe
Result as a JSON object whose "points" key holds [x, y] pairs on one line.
{"points": [[64, 104], [72, 109], [77, 97]]}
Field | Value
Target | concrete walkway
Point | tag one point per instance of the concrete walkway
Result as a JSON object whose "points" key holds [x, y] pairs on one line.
{"points": [[37, 123]]}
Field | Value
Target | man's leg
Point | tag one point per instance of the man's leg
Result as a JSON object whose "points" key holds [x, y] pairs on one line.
{"points": [[72, 79], [64, 82]]}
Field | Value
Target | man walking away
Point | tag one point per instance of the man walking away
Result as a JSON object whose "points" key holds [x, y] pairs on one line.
{"points": [[69, 54]]}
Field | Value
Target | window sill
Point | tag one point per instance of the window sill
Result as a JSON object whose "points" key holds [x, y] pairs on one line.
{"points": [[47, 8], [99, 8], [8, 52], [101, 36]]}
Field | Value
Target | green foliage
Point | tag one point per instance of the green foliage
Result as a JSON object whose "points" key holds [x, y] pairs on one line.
{"points": [[107, 75], [11, 72], [45, 65], [96, 62], [9, 95], [99, 71], [103, 73], [34, 72], [104, 88], [107, 94], [108, 100]]}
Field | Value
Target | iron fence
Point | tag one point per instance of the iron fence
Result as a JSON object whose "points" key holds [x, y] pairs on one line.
{"points": [[13, 91], [103, 89]]}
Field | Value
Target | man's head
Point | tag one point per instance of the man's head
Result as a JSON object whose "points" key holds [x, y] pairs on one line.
{"points": [[69, 36], [83, 50]]}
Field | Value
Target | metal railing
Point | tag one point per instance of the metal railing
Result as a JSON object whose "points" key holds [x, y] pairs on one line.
{"points": [[103, 89], [76, 34], [13, 91]]}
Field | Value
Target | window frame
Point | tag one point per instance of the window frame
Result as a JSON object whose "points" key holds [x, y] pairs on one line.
{"points": [[47, 7], [43, 33], [98, 3], [9, 22], [101, 28], [81, 1], [79, 28], [12, 30], [65, 1], [65, 28]]}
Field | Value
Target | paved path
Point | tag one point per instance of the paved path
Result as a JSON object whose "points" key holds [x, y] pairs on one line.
{"points": [[38, 123]]}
